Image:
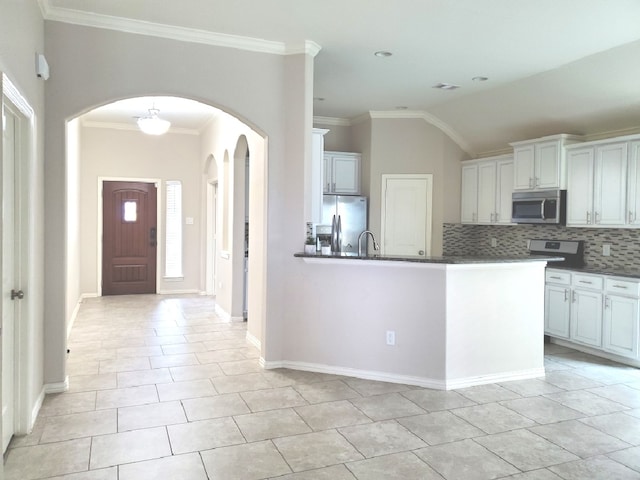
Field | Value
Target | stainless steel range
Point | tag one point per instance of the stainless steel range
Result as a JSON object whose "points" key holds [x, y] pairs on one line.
{"points": [[571, 250]]}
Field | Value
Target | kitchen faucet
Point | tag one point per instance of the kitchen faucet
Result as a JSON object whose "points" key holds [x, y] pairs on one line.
{"points": [[373, 238]]}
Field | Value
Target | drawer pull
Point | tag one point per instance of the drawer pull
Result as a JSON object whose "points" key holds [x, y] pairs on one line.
{"points": [[620, 286], [556, 278], [585, 281]]}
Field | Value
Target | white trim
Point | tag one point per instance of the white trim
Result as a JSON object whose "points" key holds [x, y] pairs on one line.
{"points": [[427, 117], [253, 340], [424, 382], [186, 291], [10, 91], [73, 317], [596, 352], [335, 121], [129, 127], [222, 313], [35, 410], [158, 183], [58, 387], [183, 34]]}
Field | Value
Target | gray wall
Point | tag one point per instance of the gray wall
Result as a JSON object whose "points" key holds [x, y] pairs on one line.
{"points": [[92, 67]]}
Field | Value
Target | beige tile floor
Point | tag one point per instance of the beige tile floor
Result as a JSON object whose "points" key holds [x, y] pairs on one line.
{"points": [[161, 388]]}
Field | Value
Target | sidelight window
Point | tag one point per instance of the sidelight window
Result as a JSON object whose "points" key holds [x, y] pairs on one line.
{"points": [[173, 252]]}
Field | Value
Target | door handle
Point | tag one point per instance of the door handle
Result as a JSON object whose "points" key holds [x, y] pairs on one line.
{"points": [[19, 294], [153, 237]]}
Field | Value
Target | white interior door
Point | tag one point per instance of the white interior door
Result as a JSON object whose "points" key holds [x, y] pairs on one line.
{"points": [[9, 274], [406, 214]]}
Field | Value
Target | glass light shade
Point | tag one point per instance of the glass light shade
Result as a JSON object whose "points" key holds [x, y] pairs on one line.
{"points": [[152, 124]]}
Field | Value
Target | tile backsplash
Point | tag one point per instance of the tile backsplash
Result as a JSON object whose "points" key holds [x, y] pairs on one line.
{"points": [[462, 239]]}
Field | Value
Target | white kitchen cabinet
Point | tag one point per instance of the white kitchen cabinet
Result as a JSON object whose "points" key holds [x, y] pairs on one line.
{"points": [[597, 185], [469, 200], [540, 164], [487, 185], [313, 180], [621, 317], [342, 173], [586, 309], [633, 185], [557, 303], [557, 310]]}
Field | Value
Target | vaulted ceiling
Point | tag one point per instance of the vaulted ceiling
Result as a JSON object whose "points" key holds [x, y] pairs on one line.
{"points": [[553, 66]]}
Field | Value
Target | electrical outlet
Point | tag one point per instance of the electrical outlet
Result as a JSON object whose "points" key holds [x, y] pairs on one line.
{"points": [[494, 242], [391, 337], [606, 250]]}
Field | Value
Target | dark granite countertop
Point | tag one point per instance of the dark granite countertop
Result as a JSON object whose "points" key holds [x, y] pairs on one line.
{"points": [[450, 260], [617, 272]]}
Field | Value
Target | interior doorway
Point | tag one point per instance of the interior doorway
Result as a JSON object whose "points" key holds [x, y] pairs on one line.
{"points": [[130, 237], [212, 237], [406, 214]]}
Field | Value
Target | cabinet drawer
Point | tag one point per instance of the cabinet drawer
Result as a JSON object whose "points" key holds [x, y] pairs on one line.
{"points": [[592, 282], [622, 287], [558, 277]]}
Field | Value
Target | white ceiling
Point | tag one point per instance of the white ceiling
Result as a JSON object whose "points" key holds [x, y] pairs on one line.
{"points": [[554, 66]]}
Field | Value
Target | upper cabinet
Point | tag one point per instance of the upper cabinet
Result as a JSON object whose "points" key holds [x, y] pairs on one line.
{"points": [[341, 173], [539, 164], [603, 181], [313, 177], [487, 185]]}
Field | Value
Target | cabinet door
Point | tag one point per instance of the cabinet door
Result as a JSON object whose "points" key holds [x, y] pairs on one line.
{"points": [[326, 174], [504, 189], [547, 165], [523, 167], [486, 192], [633, 186], [586, 317], [580, 186], [346, 174], [556, 311], [469, 203], [610, 194], [621, 316]]}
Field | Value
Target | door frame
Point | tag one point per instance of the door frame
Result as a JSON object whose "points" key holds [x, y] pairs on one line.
{"points": [[212, 237], [429, 216], [160, 202], [25, 322]]}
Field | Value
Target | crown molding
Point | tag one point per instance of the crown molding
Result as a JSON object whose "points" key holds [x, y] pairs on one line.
{"points": [[134, 128], [436, 122], [183, 34], [333, 121]]}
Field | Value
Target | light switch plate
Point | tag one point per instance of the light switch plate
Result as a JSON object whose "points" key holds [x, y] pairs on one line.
{"points": [[606, 250]]}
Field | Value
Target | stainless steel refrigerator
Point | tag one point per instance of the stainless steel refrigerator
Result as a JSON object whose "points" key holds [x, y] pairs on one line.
{"points": [[348, 216]]}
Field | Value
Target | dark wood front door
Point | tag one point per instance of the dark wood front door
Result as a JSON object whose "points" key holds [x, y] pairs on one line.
{"points": [[129, 232]]}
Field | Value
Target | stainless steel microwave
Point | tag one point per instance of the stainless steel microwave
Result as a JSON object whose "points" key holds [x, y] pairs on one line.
{"points": [[540, 206]]}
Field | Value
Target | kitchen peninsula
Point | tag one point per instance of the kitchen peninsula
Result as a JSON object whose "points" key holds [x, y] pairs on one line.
{"points": [[439, 322]]}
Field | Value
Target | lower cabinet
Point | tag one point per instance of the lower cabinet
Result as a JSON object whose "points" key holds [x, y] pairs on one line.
{"points": [[600, 311], [586, 317]]}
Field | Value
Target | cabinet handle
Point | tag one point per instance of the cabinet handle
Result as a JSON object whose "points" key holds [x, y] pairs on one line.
{"points": [[597, 217], [631, 216], [328, 187], [334, 186], [606, 302], [531, 182], [536, 182], [566, 294], [556, 278], [621, 286], [585, 281], [574, 297], [497, 217], [588, 218]]}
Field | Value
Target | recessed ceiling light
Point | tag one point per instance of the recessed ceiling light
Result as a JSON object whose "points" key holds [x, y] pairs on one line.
{"points": [[446, 86], [480, 79], [383, 53]]}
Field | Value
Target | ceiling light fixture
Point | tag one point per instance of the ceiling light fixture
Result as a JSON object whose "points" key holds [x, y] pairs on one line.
{"points": [[152, 124], [446, 86], [383, 53]]}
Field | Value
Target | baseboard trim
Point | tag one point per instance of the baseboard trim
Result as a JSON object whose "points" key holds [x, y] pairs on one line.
{"points": [[58, 387], [253, 340], [423, 382], [222, 313], [186, 291], [595, 352]]}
